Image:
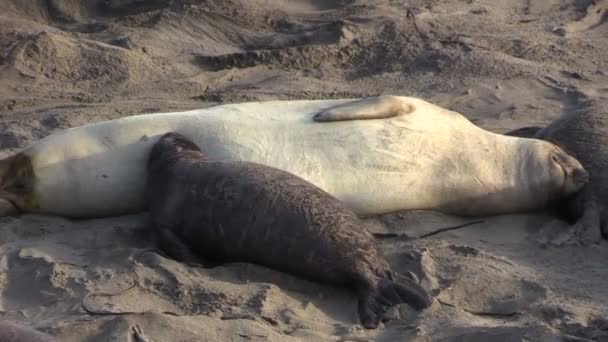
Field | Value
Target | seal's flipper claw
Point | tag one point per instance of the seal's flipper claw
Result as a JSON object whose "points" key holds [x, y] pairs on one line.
{"points": [[374, 303], [138, 334], [377, 107], [412, 276]]}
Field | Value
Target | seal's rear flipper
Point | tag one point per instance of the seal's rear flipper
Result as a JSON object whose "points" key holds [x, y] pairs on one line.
{"points": [[377, 107], [374, 303]]}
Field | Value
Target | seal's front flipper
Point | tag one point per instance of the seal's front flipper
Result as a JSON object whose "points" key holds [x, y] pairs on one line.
{"points": [[374, 303], [174, 247], [377, 107]]}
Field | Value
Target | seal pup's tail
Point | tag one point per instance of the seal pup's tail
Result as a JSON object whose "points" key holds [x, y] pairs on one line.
{"points": [[374, 302]]}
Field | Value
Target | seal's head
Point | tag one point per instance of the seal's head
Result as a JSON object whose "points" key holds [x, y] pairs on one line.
{"points": [[516, 176], [16, 184], [554, 173], [170, 146]]}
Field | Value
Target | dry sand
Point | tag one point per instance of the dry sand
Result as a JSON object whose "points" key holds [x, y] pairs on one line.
{"points": [[504, 64]]}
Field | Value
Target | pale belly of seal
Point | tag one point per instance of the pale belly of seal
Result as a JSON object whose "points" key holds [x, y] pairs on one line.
{"points": [[424, 158]]}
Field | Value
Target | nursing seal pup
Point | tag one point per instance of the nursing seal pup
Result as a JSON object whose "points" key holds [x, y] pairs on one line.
{"points": [[248, 212]]}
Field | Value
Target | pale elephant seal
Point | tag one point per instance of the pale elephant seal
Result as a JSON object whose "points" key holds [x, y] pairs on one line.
{"points": [[407, 154], [584, 134], [12, 332], [249, 212]]}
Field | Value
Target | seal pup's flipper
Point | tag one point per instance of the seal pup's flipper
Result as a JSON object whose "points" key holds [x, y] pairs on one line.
{"points": [[377, 107], [137, 334], [373, 303]]}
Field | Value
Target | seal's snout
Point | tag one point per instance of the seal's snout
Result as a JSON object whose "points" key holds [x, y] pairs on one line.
{"points": [[580, 177], [574, 173]]}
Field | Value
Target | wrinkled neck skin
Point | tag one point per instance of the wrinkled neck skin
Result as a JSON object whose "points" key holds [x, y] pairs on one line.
{"points": [[513, 175], [167, 170]]}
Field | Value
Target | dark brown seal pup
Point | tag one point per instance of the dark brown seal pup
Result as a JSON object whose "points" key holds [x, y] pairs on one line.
{"points": [[11, 332], [584, 135], [242, 211]]}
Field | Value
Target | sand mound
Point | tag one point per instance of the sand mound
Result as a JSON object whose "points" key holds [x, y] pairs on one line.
{"points": [[57, 12], [242, 50], [59, 58], [89, 280]]}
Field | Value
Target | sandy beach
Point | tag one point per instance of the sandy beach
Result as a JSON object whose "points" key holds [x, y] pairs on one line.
{"points": [[503, 64]]}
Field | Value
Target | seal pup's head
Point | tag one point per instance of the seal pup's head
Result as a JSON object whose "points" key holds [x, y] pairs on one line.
{"points": [[173, 146]]}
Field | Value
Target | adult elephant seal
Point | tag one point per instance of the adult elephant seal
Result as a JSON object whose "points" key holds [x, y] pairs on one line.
{"points": [[249, 212], [11, 332], [377, 155], [584, 134]]}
